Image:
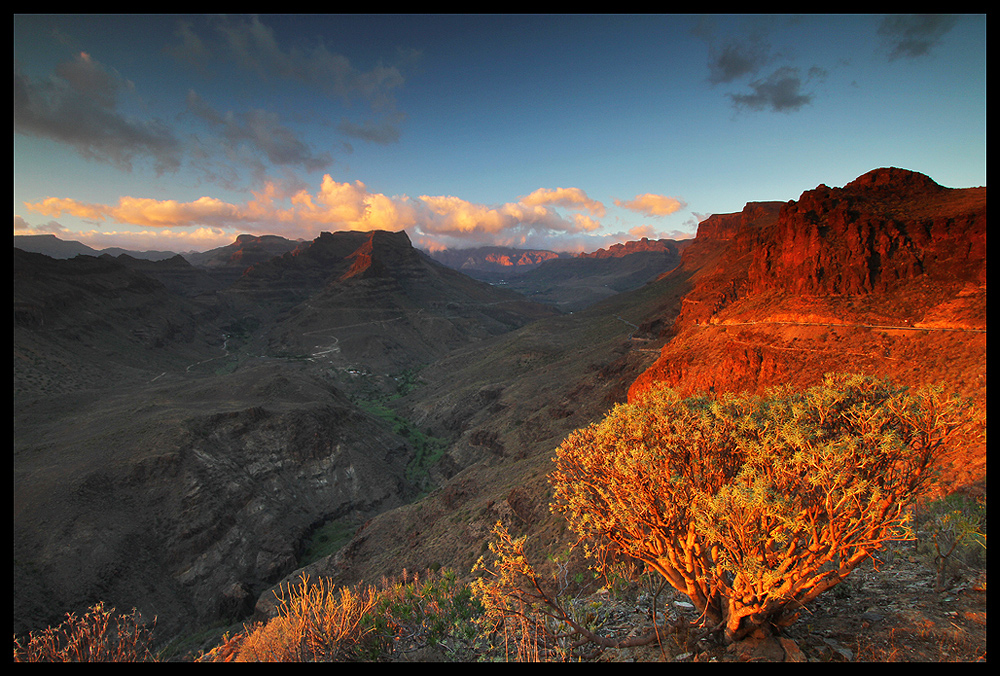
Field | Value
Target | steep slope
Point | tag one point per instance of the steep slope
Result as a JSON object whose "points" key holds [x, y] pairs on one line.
{"points": [[175, 273], [188, 497], [246, 250], [504, 404], [885, 276]]}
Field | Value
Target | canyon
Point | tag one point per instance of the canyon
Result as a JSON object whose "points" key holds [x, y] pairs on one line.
{"points": [[184, 428]]}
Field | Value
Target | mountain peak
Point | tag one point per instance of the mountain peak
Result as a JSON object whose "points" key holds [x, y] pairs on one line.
{"points": [[894, 179]]}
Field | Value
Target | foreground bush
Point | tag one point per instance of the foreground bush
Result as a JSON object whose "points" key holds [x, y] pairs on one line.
{"points": [[752, 506], [536, 617], [319, 622], [99, 635]]}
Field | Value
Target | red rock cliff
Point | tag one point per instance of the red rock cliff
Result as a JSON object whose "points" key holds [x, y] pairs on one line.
{"points": [[888, 226], [781, 293]]}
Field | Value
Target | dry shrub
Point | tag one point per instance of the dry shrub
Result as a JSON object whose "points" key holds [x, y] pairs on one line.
{"points": [[754, 505], [533, 614], [315, 623], [99, 635]]}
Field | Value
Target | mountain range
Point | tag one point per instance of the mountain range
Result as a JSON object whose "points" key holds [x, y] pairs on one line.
{"points": [[184, 432]]}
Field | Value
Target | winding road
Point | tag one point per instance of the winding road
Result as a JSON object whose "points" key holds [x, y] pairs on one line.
{"points": [[867, 326]]}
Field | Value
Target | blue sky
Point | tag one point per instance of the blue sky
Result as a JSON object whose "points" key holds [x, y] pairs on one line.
{"points": [[178, 132]]}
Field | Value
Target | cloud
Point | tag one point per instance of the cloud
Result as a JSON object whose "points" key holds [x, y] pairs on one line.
{"points": [[649, 204], [263, 132], [252, 45], [347, 206], [199, 239], [914, 35], [649, 232], [383, 133], [571, 198], [254, 48], [146, 212], [737, 58], [78, 106], [781, 91], [22, 227], [454, 217], [747, 56]]}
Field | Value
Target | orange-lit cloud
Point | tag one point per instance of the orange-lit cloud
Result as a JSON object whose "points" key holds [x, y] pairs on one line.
{"points": [[145, 212], [300, 213], [652, 205], [571, 198]]}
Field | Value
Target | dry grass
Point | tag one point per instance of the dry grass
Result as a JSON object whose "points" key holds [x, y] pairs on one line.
{"points": [[99, 635], [316, 623]]}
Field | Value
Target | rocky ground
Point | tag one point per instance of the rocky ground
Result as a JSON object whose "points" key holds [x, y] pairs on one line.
{"points": [[893, 614]]}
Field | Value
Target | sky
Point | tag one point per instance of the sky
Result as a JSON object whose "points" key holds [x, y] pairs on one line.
{"points": [[561, 132]]}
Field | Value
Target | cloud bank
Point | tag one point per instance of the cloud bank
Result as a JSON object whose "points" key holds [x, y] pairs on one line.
{"points": [[437, 221]]}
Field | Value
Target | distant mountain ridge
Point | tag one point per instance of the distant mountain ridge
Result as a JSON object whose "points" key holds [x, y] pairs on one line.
{"points": [[246, 250], [570, 282], [52, 246], [492, 260], [361, 280], [643, 245]]}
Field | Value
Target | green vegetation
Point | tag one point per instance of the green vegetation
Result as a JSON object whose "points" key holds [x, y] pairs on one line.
{"points": [[327, 540], [954, 532], [428, 449], [241, 330]]}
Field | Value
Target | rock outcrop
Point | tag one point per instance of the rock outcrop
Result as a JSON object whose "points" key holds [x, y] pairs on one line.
{"points": [[871, 236], [783, 292], [488, 261]]}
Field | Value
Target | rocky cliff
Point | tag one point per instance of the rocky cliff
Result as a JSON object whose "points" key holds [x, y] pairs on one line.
{"points": [[876, 233], [188, 499], [488, 261], [885, 276]]}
